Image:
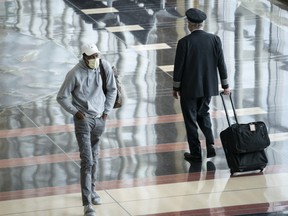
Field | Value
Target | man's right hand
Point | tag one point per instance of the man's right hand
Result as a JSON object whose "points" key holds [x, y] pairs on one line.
{"points": [[79, 115], [176, 94]]}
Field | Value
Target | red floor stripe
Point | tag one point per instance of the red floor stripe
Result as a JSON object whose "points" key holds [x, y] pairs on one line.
{"points": [[117, 152], [110, 124]]}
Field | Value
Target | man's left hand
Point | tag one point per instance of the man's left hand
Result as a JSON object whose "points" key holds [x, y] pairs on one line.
{"points": [[226, 91], [104, 116]]}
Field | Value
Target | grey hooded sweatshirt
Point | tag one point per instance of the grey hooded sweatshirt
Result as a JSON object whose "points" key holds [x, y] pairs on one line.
{"points": [[85, 87]]}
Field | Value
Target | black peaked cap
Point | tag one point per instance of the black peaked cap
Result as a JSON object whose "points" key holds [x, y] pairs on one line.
{"points": [[195, 16]]}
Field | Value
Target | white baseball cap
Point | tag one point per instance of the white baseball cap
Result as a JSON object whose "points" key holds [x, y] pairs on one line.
{"points": [[90, 49]]}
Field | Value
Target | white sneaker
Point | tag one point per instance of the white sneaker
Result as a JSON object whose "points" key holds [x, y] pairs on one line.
{"points": [[96, 199], [89, 210]]}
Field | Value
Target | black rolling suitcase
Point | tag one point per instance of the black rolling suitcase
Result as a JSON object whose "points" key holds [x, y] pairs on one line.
{"points": [[244, 144]]}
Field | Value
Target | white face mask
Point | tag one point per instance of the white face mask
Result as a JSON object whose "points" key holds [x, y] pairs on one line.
{"points": [[94, 63]]}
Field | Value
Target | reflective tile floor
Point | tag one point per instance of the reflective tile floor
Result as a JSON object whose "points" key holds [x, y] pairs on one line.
{"points": [[141, 169]]}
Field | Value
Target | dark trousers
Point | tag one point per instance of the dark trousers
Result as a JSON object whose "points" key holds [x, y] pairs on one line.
{"points": [[88, 132], [196, 111]]}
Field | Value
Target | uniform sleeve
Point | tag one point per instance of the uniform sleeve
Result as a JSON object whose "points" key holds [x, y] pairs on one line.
{"points": [[64, 94], [178, 66], [222, 65]]}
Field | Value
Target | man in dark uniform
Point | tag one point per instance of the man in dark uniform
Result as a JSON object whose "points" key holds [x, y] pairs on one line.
{"points": [[198, 61]]}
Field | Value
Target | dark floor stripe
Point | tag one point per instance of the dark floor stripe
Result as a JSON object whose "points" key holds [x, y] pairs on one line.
{"points": [[252, 209], [129, 183]]}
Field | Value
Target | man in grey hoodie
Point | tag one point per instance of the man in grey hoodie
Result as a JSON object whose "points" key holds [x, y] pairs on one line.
{"points": [[89, 107]]}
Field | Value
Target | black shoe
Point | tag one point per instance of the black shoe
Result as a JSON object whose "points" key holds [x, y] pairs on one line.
{"points": [[210, 151], [210, 166], [190, 157]]}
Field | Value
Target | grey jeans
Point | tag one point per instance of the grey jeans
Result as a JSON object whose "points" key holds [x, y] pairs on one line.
{"points": [[88, 132]]}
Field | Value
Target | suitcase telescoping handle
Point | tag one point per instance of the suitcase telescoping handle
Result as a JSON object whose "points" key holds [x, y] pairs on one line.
{"points": [[233, 108]]}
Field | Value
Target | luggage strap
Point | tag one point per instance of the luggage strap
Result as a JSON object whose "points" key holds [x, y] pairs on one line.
{"points": [[233, 108]]}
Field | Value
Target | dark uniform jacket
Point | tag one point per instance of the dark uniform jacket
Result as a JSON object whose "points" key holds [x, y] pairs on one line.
{"points": [[198, 56]]}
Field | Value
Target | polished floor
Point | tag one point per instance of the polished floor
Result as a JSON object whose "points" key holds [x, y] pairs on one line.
{"points": [[141, 168]]}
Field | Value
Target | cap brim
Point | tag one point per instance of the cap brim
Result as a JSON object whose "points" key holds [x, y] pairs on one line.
{"points": [[91, 52]]}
